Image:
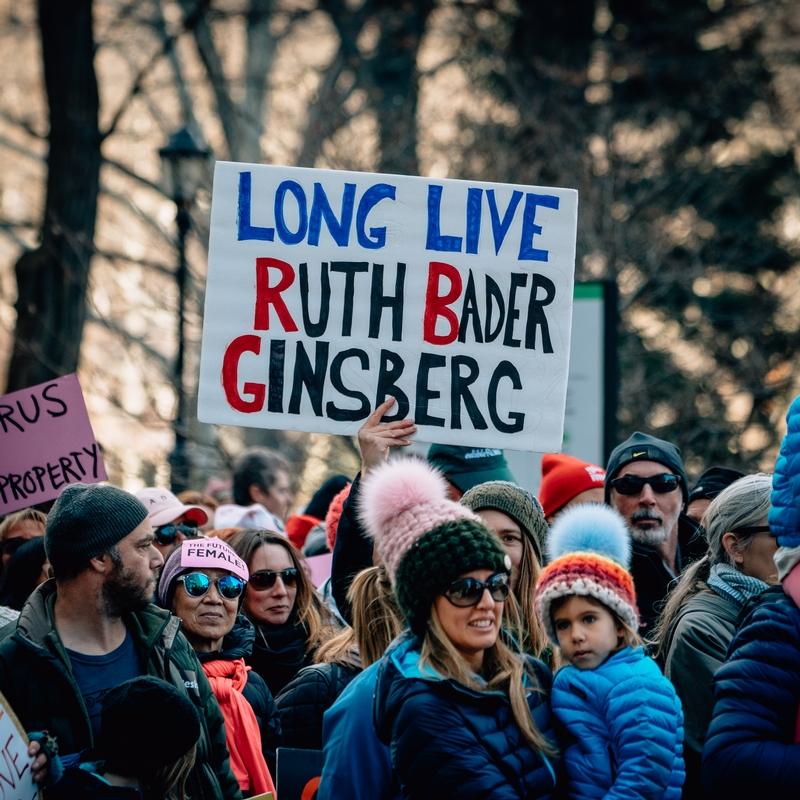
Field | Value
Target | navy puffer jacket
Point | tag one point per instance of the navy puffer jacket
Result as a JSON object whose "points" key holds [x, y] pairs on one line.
{"points": [[449, 741], [749, 749]]}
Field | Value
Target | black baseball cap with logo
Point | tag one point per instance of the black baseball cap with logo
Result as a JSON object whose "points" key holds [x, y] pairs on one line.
{"points": [[641, 447], [466, 467]]}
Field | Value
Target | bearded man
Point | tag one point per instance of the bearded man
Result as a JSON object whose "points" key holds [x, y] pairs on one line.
{"points": [[92, 627], [646, 483]]}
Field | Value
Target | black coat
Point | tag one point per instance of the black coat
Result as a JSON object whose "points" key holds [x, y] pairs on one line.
{"points": [[279, 653], [239, 644], [306, 698]]}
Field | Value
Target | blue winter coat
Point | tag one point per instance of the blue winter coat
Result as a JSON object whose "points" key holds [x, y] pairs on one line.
{"points": [[784, 516], [450, 741], [749, 749], [626, 727], [349, 742]]}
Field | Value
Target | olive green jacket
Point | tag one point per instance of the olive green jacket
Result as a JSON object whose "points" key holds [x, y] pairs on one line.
{"points": [[36, 679]]}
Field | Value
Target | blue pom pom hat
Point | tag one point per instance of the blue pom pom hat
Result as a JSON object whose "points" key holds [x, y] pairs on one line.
{"points": [[589, 550]]}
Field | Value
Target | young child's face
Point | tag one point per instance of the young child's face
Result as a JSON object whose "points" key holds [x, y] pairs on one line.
{"points": [[587, 632]]}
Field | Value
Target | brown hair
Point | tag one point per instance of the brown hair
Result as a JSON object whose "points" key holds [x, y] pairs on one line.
{"points": [[529, 633], [630, 637], [14, 519], [192, 498], [376, 620], [309, 611], [503, 670]]}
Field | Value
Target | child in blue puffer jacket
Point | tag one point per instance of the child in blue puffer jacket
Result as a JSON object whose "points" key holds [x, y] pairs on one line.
{"points": [[623, 716]]}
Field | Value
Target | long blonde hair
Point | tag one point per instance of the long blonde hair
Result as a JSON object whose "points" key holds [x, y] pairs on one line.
{"points": [[503, 670], [529, 634], [309, 611], [376, 620]]}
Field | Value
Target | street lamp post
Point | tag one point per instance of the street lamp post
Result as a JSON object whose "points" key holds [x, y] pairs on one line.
{"points": [[184, 163]]}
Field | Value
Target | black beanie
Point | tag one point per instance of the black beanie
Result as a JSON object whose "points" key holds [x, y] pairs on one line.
{"points": [[146, 724], [86, 520], [641, 447], [712, 482], [440, 557]]}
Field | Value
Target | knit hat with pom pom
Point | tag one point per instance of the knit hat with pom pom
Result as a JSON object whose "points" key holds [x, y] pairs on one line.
{"points": [[425, 540], [589, 550]]}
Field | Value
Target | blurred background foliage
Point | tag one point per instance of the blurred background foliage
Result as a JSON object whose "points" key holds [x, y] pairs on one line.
{"points": [[676, 121]]}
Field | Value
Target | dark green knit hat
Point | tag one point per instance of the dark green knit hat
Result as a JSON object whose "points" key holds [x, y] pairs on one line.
{"points": [[440, 557], [515, 501], [86, 520]]}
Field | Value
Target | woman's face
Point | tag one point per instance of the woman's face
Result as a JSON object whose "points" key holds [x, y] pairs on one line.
{"points": [[510, 534], [271, 606], [25, 530], [205, 620], [757, 559], [473, 629]]}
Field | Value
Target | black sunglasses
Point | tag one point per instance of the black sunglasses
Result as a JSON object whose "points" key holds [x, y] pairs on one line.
{"points": [[265, 579], [197, 584], [466, 592], [167, 534], [752, 529], [10, 546], [631, 485]]}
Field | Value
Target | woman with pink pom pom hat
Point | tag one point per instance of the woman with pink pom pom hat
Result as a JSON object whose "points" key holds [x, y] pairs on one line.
{"points": [[464, 715]]}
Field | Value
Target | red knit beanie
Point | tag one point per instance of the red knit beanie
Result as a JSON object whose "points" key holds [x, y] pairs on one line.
{"points": [[565, 477], [333, 515]]}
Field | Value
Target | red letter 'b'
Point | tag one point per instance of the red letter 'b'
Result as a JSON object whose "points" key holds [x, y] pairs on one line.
{"points": [[267, 295], [438, 306]]}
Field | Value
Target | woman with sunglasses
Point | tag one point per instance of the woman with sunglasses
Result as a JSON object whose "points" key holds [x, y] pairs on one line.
{"points": [[202, 582], [463, 714], [18, 528], [290, 618], [699, 620]]}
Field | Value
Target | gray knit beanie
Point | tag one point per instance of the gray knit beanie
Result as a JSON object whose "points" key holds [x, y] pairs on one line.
{"points": [[515, 501], [86, 520]]}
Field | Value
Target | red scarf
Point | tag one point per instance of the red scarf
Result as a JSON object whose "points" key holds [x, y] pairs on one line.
{"points": [[228, 679]]}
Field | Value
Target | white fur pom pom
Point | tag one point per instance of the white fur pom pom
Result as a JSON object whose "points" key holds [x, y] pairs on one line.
{"points": [[395, 487], [590, 527]]}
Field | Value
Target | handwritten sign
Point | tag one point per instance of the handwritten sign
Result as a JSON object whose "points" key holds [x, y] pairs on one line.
{"points": [[298, 773], [46, 442], [16, 782], [330, 291]]}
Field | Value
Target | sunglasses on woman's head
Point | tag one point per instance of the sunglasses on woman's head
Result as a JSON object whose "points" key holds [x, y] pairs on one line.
{"points": [[167, 534], [265, 579], [197, 584], [631, 485], [466, 592]]}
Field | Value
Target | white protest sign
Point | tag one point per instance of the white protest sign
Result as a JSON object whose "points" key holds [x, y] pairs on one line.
{"points": [[16, 782], [330, 291]]}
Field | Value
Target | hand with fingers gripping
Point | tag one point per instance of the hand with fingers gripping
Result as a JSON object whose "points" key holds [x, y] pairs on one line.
{"points": [[376, 438]]}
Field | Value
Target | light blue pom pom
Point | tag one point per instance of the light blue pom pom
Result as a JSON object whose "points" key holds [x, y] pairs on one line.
{"points": [[590, 527]]}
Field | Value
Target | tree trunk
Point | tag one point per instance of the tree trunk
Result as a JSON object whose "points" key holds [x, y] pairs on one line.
{"points": [[52, 280]]}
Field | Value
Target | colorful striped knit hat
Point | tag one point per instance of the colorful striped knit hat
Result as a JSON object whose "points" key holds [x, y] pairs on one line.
{"points": [[589, 551]]}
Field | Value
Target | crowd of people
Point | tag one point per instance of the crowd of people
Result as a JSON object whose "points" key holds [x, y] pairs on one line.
{"points": [[623, 634]]}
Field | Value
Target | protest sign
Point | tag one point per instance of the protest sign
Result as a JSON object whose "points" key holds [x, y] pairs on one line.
{"points": [[298, 773], [330, 291], [320, 567], [46, 442], [16, 782]]}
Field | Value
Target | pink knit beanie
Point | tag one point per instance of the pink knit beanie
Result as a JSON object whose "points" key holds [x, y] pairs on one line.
{"points": [[400, 501]]}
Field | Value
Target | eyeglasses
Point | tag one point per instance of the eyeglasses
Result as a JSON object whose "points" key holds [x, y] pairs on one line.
{"points": [[466, 592], [752, 529], [631, 485], [10, 546], [265, 579], [167, 534], [197, 584]]}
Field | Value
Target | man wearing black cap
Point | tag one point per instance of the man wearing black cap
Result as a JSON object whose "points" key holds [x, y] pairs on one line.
{"points": [[465, 467], [93, 626], [646, 483], [708, 486]]}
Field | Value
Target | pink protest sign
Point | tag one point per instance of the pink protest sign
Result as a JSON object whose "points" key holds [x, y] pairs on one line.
{"points": [[46, 442], [212, 554], [320, 568]]}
